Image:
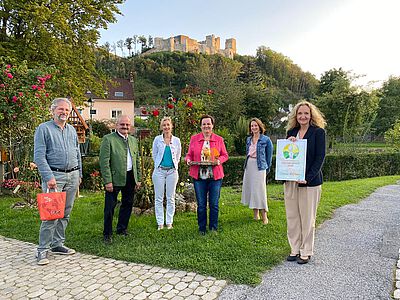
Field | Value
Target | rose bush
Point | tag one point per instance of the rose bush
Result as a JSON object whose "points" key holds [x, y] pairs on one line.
{"points": [[185, 114], [24, 104]]}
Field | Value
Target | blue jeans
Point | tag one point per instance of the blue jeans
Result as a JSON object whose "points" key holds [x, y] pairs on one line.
{"points": [[52, 233], [210, 189]]}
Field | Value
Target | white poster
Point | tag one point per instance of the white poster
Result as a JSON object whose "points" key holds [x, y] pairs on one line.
{"points": [[291, 160]]}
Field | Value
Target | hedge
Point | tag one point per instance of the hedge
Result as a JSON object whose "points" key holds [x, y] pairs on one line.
{"points": [[336, 168]]}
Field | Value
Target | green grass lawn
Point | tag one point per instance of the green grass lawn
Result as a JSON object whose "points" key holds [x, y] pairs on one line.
{"points": [[240, 252]]}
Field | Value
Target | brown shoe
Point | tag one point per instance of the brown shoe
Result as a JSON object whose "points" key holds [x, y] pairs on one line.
{"points": [[292, 257], [302, 261]]}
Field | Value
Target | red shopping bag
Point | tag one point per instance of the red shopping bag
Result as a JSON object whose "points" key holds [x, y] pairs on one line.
{"points": [[51, 205]]}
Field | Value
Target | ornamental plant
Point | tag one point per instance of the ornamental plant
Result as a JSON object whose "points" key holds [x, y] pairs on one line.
{"points": [[185, 113], [26, 184], [392, 136], [24, 104]]}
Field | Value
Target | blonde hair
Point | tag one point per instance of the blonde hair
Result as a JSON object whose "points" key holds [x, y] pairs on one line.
{"points": [[317, 118], [259, 123], [165, 119]]}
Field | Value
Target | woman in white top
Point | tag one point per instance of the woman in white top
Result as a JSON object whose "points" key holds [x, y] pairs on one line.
{"points": [[166, 156]]}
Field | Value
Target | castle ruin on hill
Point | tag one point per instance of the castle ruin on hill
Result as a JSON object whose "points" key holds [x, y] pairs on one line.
{"points": [[185, 44]]}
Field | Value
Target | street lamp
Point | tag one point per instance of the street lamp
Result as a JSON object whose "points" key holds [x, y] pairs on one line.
{"points": [[90, 101]]}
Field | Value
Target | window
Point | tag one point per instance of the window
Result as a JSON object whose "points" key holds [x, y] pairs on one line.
{"points": [[115, 113], [119, 94]]}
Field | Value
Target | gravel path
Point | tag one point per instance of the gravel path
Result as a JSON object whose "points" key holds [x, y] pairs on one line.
{"points": [[356, 256]]}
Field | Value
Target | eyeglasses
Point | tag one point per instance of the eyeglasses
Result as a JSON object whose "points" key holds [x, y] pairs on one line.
{"points": [[124, 124]]}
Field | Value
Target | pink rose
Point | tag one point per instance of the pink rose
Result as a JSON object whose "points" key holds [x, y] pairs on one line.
{"points": [[9, 75]]}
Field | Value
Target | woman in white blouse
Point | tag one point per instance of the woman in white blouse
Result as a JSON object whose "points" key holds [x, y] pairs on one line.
{"points": [[166, 156]]}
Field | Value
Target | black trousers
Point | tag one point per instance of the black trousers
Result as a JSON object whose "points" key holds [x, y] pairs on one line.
{"points": [[125, 211]]}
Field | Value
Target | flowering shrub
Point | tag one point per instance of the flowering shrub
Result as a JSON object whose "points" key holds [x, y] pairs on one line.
{"points": [[96, 182], [185, 114], [24, 96], [27, 183], [24, 104]]}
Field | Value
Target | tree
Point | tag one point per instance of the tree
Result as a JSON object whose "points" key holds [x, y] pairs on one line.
{"points": [[331, 79], [135, 41], [150, 41], [389, 107], [218, 75], [261, 103], [281, 72], [114, 48], [349, 111], [120, 45], [128, 44], [143, 41], [59, 33]]}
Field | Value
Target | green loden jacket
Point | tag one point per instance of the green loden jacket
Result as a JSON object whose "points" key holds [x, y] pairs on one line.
{"points": [[113, 159]]}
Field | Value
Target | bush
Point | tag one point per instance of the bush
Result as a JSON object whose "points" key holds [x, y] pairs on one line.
{"points": [[101, 128], [392, 136], [241, 133], [95, 143], [336, 167], [228, 138], [90, 166], [352, 166]]}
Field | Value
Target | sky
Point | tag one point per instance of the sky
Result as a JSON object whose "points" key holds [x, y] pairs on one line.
{"points": [[360, 36]]}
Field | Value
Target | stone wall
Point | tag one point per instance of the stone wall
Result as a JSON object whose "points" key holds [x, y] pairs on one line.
{"points": [[211, 45]]}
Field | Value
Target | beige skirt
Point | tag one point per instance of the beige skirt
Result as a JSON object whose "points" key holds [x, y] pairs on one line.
{"points": [[254, 190]]}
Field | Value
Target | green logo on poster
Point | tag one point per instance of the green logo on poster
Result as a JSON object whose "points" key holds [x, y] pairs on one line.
{"points": [[290, 151]]}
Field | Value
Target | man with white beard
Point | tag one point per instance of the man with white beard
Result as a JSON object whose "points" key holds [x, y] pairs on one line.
{"points": [[58, 158]]}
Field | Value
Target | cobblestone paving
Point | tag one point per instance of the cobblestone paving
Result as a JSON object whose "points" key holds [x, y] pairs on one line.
{"points": [[83, 276]]}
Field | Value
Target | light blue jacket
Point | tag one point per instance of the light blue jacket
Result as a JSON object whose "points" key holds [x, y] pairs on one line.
{"points": [[159, 148], [264, 152]]}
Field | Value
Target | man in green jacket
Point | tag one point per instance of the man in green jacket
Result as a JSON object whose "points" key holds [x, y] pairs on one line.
{"points": [[120, 169]]}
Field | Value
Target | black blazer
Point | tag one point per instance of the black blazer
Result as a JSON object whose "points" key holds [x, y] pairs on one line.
{"points": [[315, 137]]}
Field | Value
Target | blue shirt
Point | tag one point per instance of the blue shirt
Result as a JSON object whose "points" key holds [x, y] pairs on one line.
{"points": [[57, 148], [167, 158]]}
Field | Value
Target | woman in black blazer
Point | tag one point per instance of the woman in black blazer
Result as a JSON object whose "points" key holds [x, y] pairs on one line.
{"points": [[302, 197]]}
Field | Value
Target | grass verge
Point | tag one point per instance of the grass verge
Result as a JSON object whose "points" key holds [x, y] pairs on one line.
{"points": [[240, 252]]}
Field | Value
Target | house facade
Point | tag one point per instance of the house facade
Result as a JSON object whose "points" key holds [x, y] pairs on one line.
{"points": [[119, 100]]}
